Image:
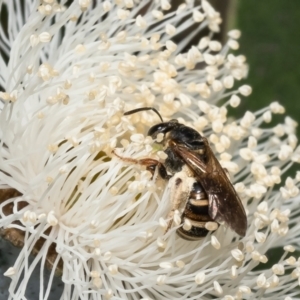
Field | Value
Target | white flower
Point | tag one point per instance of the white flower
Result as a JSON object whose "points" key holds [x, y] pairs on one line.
{"points": [[72, 73]]}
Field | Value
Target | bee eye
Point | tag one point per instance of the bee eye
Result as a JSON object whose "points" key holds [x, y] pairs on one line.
{"points": [[155, 130], [161, 128]]}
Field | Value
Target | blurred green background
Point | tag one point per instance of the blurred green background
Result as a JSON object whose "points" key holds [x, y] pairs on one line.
{"points": [[271, 42]]}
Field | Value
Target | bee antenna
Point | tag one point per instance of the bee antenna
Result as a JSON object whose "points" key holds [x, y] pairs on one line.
{"points": [[141, 109]]}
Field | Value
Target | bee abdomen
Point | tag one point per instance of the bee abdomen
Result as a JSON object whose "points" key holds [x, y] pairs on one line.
{"points": [[196, 213]]}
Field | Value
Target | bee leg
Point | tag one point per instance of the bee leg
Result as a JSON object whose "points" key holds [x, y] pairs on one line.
{"points": [[149, 163], [181, 186], [152, 164]]}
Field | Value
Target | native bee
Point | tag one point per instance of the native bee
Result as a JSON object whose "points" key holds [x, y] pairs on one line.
{"points": [[201, 190]]}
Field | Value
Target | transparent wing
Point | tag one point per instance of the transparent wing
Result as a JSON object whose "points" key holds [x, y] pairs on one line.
{"points": [[225, 205]]}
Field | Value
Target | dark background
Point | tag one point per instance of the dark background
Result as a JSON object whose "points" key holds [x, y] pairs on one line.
{"points": [[271, 42]]}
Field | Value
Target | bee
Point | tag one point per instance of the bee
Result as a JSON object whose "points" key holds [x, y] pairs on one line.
{"points": [[201, 191]]}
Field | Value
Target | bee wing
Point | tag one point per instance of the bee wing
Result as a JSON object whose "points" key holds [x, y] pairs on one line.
{"points": [[191, 158], [225, 205]]}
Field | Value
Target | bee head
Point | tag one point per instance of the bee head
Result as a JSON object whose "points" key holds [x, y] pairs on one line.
{"points": [[163, 128]]}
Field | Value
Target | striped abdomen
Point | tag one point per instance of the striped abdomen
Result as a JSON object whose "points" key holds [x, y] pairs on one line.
{"points": [[196, 215]]}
